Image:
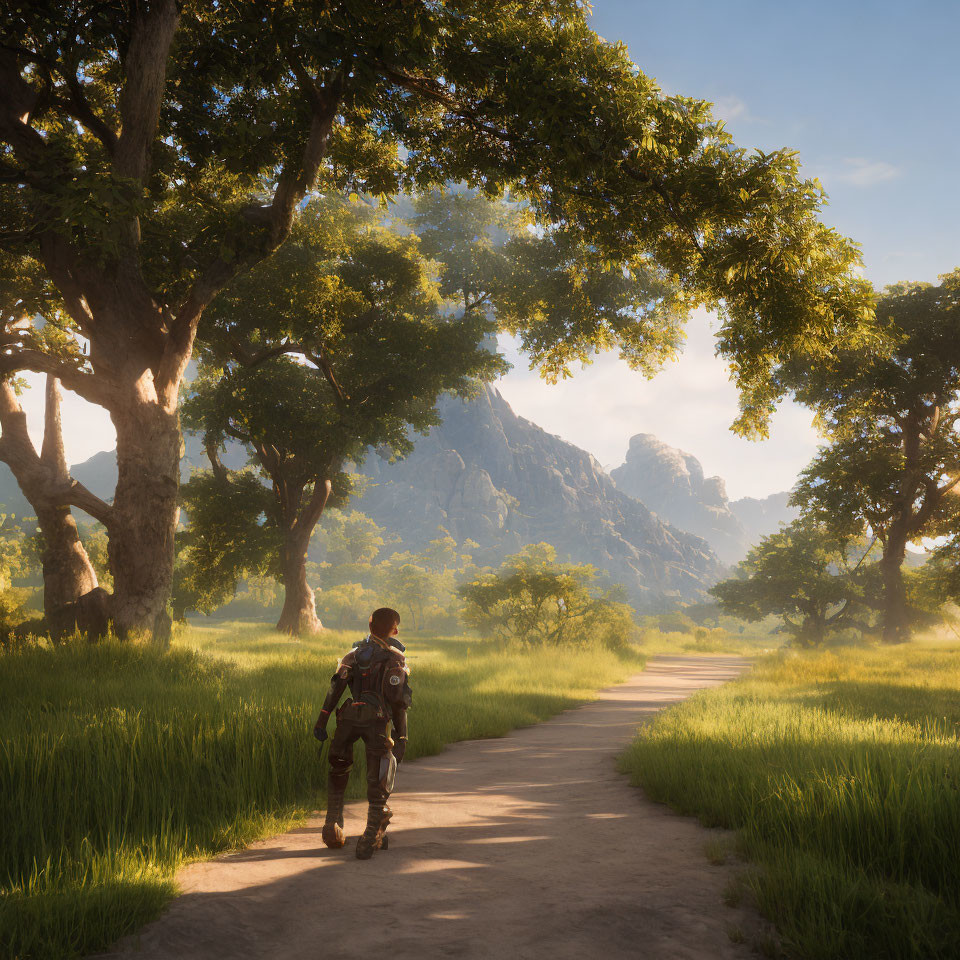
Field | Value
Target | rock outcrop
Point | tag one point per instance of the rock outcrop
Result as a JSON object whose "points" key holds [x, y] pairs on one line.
{"points": [[487, 475], [762, 517], [671, 483]]}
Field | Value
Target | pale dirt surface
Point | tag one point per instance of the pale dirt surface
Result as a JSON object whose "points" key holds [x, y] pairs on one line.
{"points": [[529, 847]]}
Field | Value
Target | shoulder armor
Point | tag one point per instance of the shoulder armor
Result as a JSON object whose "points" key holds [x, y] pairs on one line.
{"points": [[345, 666], [395, 682]]}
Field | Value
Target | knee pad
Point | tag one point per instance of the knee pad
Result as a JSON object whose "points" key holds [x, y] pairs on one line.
{"points": [[339, 774], [381, 773]]}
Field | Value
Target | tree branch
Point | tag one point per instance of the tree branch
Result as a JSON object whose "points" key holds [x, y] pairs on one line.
{"points": [[237, 434], [213, 455], [43, 478], [51, 452], [92, 388], [432, 90], [79, 108], [296, 178], [247, 358], [145, 68], [947, 487], [321, 361], [310, 515]]}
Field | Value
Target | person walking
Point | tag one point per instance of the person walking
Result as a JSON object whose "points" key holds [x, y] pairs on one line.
{"points": [[376, 673]]}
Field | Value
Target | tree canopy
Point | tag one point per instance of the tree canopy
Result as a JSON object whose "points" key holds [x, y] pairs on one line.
{"points": [[534, 599], [893, 463], [172, 143], [153, 152], [806, 575], [350, 351]]}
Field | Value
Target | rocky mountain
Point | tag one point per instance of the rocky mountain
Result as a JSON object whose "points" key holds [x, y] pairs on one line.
{"points": [[487, 475], [672, 484], [762, 517]]}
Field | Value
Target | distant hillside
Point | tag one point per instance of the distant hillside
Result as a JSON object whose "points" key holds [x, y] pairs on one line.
{"points": [[671, 483], [493, 477], [762, 517]]}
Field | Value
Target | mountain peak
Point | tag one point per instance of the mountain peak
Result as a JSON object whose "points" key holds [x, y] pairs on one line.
{"points": [[671, 482]]}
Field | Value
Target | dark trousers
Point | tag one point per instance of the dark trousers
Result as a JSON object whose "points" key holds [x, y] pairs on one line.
{"points": [[377, 743]]}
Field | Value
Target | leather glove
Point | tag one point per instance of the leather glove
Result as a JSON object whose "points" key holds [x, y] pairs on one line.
{"points": [[320, 727]]}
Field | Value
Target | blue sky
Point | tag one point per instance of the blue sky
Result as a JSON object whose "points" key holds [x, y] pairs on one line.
{"points": [[867, 93]]}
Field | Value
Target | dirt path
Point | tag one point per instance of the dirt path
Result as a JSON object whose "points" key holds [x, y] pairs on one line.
{"points": [[530, 846]]}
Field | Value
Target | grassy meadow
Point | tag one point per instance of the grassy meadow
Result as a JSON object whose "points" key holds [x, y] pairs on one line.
{"points": [[840, 770], [118, 763]]}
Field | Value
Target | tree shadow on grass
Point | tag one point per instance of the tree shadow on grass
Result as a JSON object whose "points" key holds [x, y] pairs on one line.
{"points": [[911, 703]]}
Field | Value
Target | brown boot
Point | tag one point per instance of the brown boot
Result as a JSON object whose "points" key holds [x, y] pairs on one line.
{"points": [[333, 836], [378, 818], [332, 832]]}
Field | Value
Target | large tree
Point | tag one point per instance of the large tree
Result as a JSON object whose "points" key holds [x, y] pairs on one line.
{"points": [[352, 349], [893, 464], [806, 574], [72, 597], [153, 151]]}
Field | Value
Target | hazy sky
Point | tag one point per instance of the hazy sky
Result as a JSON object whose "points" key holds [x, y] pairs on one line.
{"points": [[866, 92]]}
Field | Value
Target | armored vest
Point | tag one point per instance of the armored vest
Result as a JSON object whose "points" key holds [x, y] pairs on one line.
{"points": [[376, 677]]}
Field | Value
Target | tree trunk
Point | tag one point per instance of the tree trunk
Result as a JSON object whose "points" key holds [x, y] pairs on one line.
{"points": [[72, 598], [299, 614], [896, 619], [145, 514]]}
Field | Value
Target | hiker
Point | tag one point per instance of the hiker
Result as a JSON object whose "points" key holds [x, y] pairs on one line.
{"points": [[376, 673]]}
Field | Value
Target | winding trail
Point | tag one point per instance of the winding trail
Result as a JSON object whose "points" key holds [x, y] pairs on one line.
{"points": [[529, 847]]}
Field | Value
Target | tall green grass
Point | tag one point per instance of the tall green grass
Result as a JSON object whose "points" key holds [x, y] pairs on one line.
{"points": [[118, 763], [841, 772]]}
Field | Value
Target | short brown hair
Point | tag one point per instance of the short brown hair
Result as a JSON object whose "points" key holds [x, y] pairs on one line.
{"points": [[382, 622]]}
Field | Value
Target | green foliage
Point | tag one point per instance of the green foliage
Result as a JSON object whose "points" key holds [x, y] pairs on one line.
{"points": [[676, 621], [546, 286], [347, 606], [838, 770], [349, 351], [348, 537], [807, 576], [535, 600], [411, 587], [163, 758], [522, 97], [355, 304], [228, 538], [891, 413], [19, 566]]}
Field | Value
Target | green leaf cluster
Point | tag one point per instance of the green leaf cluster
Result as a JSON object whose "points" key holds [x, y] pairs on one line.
{"points": [[891, 413], [808, 576], [534, 599]]}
